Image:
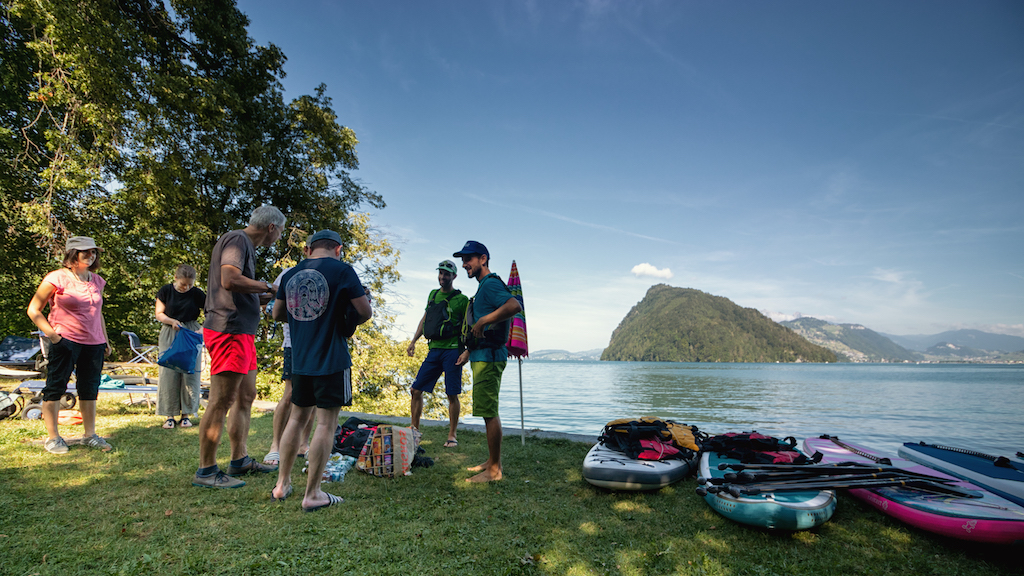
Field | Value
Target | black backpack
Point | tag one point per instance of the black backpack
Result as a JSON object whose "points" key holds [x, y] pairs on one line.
{"points": [[494, 337], [438, 323], [349, 438]]}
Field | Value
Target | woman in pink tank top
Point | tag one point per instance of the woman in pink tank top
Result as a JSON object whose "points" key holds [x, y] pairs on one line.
{"points": [[78, 338]]}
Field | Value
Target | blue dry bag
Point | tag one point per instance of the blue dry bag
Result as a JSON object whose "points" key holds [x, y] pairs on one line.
{"points": [[181, 356]]}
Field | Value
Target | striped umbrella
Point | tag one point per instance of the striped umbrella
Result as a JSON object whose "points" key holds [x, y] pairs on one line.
{"points": [[517, 336], [517, 340]]}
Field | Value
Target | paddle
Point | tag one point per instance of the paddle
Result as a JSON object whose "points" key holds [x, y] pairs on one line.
{"points": [[747, 479], [827, 469], [752, 489]]}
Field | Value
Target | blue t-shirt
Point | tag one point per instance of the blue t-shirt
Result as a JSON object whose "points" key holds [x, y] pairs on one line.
{"points": [[316, 293], [491, 294]]}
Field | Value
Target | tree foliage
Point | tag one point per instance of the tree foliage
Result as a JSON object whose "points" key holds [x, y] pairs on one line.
{"points": [[686, 325], [155, 131]]}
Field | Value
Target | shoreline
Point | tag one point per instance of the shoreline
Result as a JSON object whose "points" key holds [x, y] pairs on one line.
{"points": [[265, 406]]}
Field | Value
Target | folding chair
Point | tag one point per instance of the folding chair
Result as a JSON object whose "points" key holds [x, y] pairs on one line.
{"points": [[138, 349]]}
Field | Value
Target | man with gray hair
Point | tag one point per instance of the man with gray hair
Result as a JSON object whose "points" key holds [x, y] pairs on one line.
{"points": [[233, 304]]}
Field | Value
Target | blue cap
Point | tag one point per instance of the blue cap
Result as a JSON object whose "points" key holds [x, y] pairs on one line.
{"points": [[323, 235], [472, 247]]}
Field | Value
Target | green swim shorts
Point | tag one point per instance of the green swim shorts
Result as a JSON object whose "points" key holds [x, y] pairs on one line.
{"points": [[486, 385]]}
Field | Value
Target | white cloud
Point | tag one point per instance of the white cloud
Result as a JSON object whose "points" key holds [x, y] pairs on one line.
{"points": [[781, 316], [646, 269]]}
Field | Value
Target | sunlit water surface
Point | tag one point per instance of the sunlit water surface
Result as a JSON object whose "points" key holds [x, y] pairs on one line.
{"points": [[878, 405]]}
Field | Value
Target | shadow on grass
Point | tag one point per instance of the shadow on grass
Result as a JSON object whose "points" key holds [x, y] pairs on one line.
{"points": [[134, 511]]}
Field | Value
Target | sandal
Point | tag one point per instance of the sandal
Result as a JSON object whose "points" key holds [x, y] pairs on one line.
{"points": [[169, 423], [272, 459], [185, 422], [331, 501], [451, 443]]}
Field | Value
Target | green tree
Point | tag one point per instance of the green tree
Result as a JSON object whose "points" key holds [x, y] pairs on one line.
{"points": [[154, 132]]}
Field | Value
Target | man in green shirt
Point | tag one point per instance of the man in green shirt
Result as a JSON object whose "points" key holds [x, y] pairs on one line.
{"points": [[441, 323]]}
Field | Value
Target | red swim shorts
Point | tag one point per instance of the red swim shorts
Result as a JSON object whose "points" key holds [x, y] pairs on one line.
{"points": [[230, 352]]}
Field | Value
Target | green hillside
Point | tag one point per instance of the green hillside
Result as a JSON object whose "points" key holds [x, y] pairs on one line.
{"points": [[851, 342], [686, 325]]}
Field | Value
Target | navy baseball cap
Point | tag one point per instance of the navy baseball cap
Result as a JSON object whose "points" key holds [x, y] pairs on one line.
{"points": [[323, 235], [472, 247]]}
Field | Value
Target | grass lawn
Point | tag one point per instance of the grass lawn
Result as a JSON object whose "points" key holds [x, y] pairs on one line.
{"points": [[134, 511]]}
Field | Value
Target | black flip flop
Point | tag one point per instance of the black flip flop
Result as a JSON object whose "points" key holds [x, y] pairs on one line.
{"points": [[287, 493], [331, 501]]}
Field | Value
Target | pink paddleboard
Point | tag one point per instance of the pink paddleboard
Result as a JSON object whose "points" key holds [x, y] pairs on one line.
{"points": [[988, 518]]}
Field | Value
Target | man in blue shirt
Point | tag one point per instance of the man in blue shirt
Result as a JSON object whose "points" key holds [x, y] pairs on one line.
{"points": [[490, 311], [313, 296]]}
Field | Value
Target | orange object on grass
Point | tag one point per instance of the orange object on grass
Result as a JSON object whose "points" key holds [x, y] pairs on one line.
{"points": [[69, 417]]}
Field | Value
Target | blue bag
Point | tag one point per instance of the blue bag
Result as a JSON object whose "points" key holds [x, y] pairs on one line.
{"points": [[182, 355]]}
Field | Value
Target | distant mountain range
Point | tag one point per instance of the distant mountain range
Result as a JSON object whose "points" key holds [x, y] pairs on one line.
{"points": [[851, 342], [856, 343], [965, 338], [686, 325], [564, 356]]}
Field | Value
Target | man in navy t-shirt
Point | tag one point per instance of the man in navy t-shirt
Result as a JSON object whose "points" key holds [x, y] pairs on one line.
{"points": [[313, 296]]}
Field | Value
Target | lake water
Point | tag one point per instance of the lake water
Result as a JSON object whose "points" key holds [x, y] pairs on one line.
{"points": [[879, 405]]}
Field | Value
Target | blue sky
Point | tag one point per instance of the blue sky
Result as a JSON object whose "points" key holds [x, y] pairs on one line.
{"points": [[857, 162]]}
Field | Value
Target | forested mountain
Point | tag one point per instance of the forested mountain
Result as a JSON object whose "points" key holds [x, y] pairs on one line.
{"points": [[851, 342], [686, 325]]}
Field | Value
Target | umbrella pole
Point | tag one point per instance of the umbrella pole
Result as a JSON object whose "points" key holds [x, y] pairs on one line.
{"points": [[522, 418]]}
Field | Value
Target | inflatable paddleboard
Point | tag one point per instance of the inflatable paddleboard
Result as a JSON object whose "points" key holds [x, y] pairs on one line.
{"points": [[999, 475], [987, 518], [607, 468], [781, 510]]}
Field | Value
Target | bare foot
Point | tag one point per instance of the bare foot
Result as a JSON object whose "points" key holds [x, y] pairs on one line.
{"points": [[279, 495], [478, 468], [314, 505], [486, 476]]}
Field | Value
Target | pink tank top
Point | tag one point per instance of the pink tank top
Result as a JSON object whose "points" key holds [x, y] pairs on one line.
{"points": [[75, 306]]}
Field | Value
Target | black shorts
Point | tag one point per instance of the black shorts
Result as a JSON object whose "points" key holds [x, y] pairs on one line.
{"points": [[65, 357], [286, 370], [328, 391]]}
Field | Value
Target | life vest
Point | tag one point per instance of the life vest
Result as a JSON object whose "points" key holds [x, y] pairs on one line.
{"points": [[495, 335], [754, 448], [439, 322], [650, 438]]}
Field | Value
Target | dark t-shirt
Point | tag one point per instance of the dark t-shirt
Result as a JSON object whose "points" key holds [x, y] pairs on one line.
{"points": [[183, 307], [232, 312], [316, 293]]}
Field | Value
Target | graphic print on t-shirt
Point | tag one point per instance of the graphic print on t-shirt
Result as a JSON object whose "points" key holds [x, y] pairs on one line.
{"points": [[308, 295]]}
